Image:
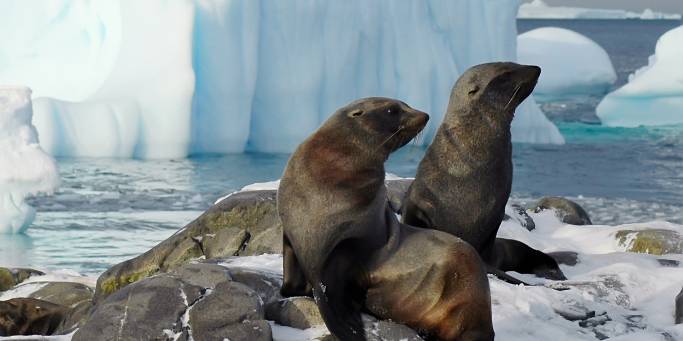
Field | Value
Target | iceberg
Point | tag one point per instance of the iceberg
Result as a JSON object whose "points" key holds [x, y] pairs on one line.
{"points": [[166, 79], [538, 9], [572, 64], [25, 169], [654, 93]]}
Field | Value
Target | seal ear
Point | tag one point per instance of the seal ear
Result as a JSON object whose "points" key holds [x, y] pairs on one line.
{"points": [[355, 113], [474, 90]]}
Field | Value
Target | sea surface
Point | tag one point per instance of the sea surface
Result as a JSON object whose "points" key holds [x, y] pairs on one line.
{"points": [[109, 210]]}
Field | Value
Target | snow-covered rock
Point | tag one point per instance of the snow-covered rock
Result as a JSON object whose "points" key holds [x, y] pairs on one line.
{"points": [[572, 64], [538, 9], [167, 78], [654, 93], [25, 169]]}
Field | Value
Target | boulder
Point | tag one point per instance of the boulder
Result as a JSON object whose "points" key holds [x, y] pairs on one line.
{"points": [[75, 317], [567, 211], [245, 223], [295, 312], [267, 286], [29, 316], [652, 241], [202, 275], [67, 294], [9, 277], [519, 214], [146, 310], [231, 311]]}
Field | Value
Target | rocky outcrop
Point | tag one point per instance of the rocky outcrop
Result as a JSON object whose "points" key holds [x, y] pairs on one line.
{"points": [[10, 277], [295, 312], [567, 211], [652, 241], [245, 223]]}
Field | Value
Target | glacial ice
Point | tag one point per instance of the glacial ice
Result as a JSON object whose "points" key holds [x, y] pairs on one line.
{"points": [[538, 9], [219, 76], [572, 64], [654, 93], [25, 169]]}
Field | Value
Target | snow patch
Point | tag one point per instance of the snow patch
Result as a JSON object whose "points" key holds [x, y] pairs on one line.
{"points": [[538, 9]]}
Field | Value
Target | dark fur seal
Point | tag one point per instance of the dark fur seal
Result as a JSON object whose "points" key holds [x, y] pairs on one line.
{"points": [[464, 180], [343, 240]]}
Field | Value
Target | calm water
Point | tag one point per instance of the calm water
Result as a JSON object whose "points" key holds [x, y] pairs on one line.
{"points": [[110, 210]]}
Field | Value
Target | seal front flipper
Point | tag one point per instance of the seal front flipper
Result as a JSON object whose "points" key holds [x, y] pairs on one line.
{"points": [[503, 276], [341, 299], [294, 282]]}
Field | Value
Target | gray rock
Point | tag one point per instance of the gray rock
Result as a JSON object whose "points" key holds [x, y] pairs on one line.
{"points": [[245, 223], [265, 285], [522, 217], [67, 294], [652, 241], [669, 263], [679, 307], [9, 277], [202, 275], [295, 312], [568, 211], [75, 317], [233, 311], [570, 258], [147, 310], [29, 316], [396, 191]]}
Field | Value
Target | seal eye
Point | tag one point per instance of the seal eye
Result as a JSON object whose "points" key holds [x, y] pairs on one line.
{"points": [[473, 91], [355, 113]]}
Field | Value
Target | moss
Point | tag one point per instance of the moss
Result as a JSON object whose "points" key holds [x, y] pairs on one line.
{"points": [[245, 217], [113, 284], [6, 279], [652, 241]]}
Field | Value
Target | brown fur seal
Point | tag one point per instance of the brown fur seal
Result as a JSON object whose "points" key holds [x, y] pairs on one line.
{"points": [[29, 316], [464, 180], [343, 240]]}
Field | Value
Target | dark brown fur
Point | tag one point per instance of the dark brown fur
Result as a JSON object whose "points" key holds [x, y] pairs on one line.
{"points": [[343, 241]]}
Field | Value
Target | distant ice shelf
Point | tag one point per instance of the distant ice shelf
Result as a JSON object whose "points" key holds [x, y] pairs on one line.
{"points": [[165, 79], [538, 9], [654, 93], [572, 64], [25, 169]]}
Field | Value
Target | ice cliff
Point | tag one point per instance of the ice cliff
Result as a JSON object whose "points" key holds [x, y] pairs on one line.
{"points": [[572, 64], [25, 169], [169, 78], [654, 93]]}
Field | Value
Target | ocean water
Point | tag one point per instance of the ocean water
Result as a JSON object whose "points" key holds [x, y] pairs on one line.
{"points": [[109, 210]]}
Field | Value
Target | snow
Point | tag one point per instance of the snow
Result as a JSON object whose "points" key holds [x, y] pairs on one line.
{"points": [[572, 64], [538, 9], [631, 294], [25, 169], [219, 76], [654, 93]]}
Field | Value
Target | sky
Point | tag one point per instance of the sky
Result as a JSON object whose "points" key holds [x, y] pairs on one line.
{"points": [[672, 6]]}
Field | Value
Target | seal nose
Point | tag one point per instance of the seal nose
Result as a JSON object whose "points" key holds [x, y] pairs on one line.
{"points": [[417, 119], [532, 72]]}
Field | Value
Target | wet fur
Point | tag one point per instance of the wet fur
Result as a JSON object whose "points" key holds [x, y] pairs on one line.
{"points": [[464, 180]]}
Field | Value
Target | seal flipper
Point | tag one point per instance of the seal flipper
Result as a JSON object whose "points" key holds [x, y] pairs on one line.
{"points": [[341, 299], [513, 255], [294, 281]]}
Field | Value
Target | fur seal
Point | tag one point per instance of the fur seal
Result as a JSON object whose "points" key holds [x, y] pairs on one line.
{"points": [[342, 239], [464, 180]]}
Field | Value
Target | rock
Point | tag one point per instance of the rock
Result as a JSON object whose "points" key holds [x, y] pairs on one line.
{"points": [[519, 214], [669, 263], [245, 223], [396, 191], [382, 331], [295, 312], [231, 311], [75, 317], [568, 211], [147, 310], [202, 275], [9, 277], [570, 258], [265, 285], [29, 316], [652, 241], [679, 307], [67, 294]]}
